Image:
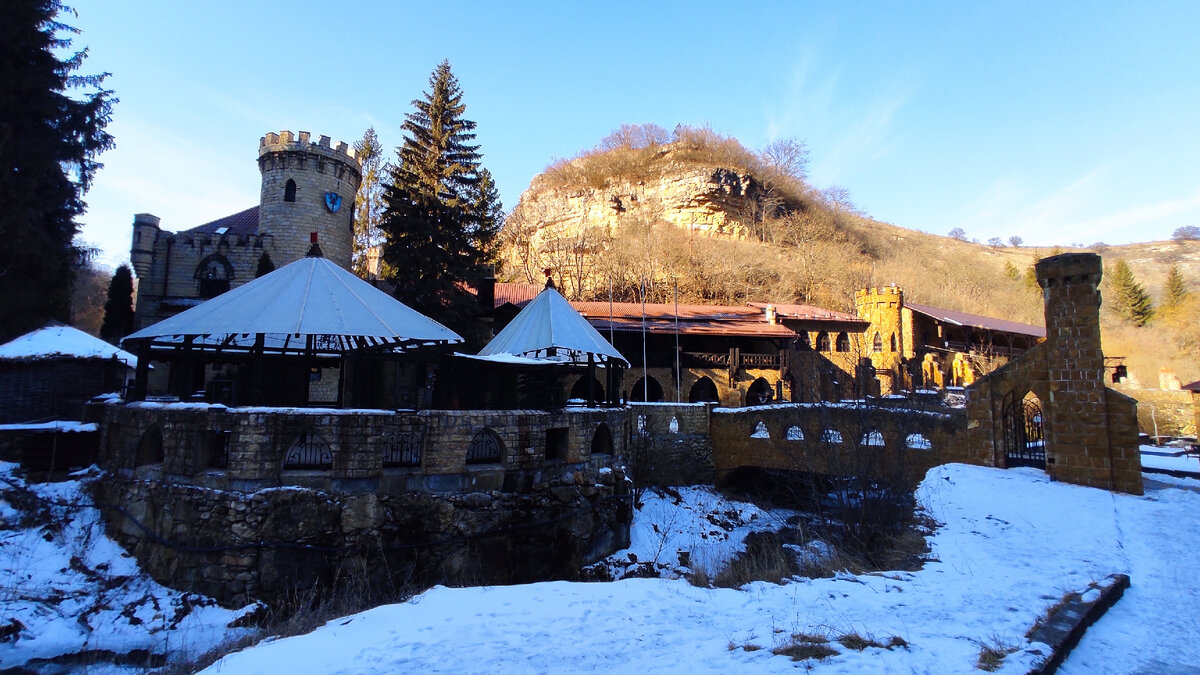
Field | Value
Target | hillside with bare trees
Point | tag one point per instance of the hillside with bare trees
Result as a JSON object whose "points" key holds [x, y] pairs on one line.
{"points": [[699, 213]]}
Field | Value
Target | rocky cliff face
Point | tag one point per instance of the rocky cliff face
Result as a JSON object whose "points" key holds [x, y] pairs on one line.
{"points": [[714, 200]]}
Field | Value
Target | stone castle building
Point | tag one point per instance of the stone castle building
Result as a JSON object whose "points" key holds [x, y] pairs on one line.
{"points": [[307, 195]]}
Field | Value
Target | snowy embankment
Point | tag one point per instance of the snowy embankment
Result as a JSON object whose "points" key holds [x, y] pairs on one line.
{"points": [[1010, 544], [67, 589]]}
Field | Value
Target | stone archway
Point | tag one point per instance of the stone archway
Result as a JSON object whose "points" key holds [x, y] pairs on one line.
{"points": [[704, 391], [760, 392], [646, 390], [1024, 440]]}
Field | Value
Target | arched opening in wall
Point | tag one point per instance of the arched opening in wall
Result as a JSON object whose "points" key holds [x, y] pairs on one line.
{"points": [[794, 433], [1024, 442], [150, 447], [831, 436], [843, 342], [822, 341], [893, 343], [289, 191], [308, 451], [646, 390], [801, 343], [402, 449], [917, 442], [760, 392], [704, 391], [558, 443], [872, 438], [877, 344], [485, 448], [673, 426], [212, 448], [214, 274], [579, 391], [760, 430], [602, 440]]}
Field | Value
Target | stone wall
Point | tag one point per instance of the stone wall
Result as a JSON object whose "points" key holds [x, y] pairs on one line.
{"points": [[43, 389], [210, 498], [671, 444], [1170, 411]]}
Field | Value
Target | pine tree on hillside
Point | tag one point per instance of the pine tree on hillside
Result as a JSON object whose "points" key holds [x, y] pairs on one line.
{"points": [[265, 265], [48, 147], [1131, 302], [1175, 293], [441, 215], [118, 308]]}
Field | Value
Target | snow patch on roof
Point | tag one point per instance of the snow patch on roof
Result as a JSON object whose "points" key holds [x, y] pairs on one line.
{"points": [[63, 342]]}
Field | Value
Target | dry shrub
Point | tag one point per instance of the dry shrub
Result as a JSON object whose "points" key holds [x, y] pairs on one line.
{"points": [[857, 642], [992, 654], [804, 646], [765, 559]]}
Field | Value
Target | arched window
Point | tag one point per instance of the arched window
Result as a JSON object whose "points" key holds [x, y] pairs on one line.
{"points": [[289, 191], [831, 436], [485, 448], [402, 449], [308, 451], [760, 430], [602, 440], [646, 390], [214, 274], [876, 344], [843, 342], [822, 341], [580, 390], [917, 442], [873, 438], [704, 391], [801, 343], [759, 393], [893, 342], [795, 433], [673, 427], [150, 447]]}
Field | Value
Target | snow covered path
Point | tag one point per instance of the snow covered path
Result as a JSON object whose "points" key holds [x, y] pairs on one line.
{"points": [[1010, 545], [1153, 628]]}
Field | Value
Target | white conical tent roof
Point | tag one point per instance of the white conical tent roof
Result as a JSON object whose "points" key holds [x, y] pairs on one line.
{"points": [[550, 324], [62, 342], [310, 297]]}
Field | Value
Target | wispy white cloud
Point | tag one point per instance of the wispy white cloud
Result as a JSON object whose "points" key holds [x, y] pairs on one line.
{"points": [[869, 135]]}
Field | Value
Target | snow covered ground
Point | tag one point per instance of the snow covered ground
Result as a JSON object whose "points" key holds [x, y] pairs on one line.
{"points": [[1011, 544], [66, 588], [1169, 459]]}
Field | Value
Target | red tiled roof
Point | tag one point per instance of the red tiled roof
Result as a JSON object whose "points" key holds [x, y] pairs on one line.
{"points": [[514, 293], [977, 321], [693, 319], [786, 311], [241, 223]]}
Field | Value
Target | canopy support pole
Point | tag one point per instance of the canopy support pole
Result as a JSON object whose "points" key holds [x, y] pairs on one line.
{"points": [[256, 369], [591, 380], [142, 372]]}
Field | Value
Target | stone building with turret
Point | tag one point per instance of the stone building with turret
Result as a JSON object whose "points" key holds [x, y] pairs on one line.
{"points": [[307, 196]]}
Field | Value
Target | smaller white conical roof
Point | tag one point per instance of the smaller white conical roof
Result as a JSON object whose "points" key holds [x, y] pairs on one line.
{"points": [[56, 341], [549, 324], [310, 297]]}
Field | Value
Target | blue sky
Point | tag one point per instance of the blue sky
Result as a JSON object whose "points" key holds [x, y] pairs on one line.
{"points": [[1067, 122]]}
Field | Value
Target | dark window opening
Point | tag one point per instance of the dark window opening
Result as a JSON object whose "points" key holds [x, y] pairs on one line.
{"points": [[759, 393], [214, 446], [843, 342], [602, 442], [877, 344], [289, 191], [704, 391], [485, 448], [402, 449], [646, 390], [214, 274], [893, 342], [822, 341], [557, 443], [150, 447], [308, 451]]}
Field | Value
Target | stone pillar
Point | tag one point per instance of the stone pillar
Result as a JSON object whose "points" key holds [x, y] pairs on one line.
{"points": [[1076, 418]]}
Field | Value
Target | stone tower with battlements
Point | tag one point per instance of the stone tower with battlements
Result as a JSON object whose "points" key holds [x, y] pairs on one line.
{"points": [[308, 188], [884, 342]]}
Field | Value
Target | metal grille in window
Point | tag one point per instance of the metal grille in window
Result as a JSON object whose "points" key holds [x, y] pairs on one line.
{"points": [[308, 451], [402, 449], [484, 448]]}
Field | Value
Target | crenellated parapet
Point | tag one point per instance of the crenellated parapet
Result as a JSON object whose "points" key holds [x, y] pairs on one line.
{"points": [[285, 141], [891, 296]]}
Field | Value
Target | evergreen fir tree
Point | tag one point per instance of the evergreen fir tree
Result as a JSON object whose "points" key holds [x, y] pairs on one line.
{"points": [[1131, 302], [368, 203], [440, 220], [265, 265], [1176, 292], [118, 308], [49, 142]]}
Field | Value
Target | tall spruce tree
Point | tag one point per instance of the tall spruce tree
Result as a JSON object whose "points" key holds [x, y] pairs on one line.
{"points": [[1175, 293], [118, 307], [1131, 302], [440, 217], [49, 141], [368, 203]]}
